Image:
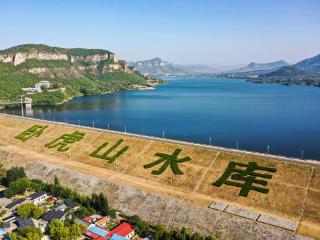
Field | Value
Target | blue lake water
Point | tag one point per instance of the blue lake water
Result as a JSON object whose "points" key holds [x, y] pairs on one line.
{"points": [[233, 113]]}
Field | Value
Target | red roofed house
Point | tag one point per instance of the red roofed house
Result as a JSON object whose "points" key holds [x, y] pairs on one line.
{"points": [[102, 222], [91, 235], [87, 219], [124, 230]]}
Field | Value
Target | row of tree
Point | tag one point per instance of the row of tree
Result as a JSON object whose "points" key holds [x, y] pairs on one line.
{"points": [[159, 232]]}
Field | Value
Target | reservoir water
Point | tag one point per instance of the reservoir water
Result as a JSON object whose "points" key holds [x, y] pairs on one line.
{"points": [[234, 113]]}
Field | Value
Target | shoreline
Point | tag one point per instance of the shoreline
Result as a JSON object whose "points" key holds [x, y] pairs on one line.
{"points": [[139, 88], [312, 162]]}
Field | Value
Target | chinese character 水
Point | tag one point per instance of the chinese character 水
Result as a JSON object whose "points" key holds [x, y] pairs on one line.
{"points": [[167, 160]]}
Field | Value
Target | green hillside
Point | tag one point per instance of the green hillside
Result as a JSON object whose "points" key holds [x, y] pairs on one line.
{"points": [[67, 78], [45, 48]]}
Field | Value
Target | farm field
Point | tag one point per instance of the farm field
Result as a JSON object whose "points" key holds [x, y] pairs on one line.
{"points": [[291, 189]]}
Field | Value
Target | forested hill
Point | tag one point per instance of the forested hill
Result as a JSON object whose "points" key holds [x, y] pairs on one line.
{"points": [[70, 71], [304, 72]]}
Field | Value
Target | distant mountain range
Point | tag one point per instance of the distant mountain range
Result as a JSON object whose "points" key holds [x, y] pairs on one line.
{"points": [[157, 66], [304, 72], [310, 66], [260, 67]]}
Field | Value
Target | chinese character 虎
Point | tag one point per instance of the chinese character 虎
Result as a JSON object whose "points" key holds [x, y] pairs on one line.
{"points": [[62, 141], [107, 152], [167, 160], [246, 177], [34, 131]]}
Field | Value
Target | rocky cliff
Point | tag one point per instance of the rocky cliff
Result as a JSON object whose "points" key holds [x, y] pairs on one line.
{"points": [[81, 71]]}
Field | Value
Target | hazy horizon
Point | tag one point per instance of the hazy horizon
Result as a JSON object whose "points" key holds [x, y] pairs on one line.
{"points": [[183, 32]]}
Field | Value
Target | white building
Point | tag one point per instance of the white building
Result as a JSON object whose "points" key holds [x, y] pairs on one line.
{"points": [[45, 83], [37, 87], [38, 197]]}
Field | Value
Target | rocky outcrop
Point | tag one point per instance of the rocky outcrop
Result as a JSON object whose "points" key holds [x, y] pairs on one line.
{"points": [[94, 58], [38, 70], [20, 57]]}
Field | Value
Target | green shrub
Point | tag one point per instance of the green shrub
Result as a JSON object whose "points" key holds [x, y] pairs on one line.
{"points": [[29, 210], [17, 187]]}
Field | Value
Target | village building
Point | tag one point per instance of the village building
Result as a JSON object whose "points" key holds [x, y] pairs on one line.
{"points": [[15, 204], [54, 214], [37, 87], [38, 197], [124, 230], [103, 221]]}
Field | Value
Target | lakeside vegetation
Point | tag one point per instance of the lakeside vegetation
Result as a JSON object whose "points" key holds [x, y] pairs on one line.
{"points": [[67, 78], [13, 79]]}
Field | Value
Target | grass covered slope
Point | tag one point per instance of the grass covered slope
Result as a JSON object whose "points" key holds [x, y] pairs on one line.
{"points": [[293, 188], [71, 72]]}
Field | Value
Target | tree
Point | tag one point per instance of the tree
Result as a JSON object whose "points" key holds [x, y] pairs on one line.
{"points": [[19, 186], [2, 212], [29, 210], [58, 231], [26, 233], [2, 173], [37, 185], [159, 232], [12, 235], [141, 226], [112, 213], [29, 233], [83, 212], [13, 174], [100, 203]]}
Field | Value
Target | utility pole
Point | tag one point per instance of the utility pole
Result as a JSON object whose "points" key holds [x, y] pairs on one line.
{"points": [[21, 107]]}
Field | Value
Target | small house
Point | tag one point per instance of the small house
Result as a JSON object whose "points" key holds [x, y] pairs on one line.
{"points": [[124, 229], [15, 204], [38, 197], [103, 221], [95, 232], [22, 223], [71, 204], [54, 214]]}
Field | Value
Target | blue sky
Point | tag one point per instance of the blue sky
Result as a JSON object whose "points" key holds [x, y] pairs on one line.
{"points": [[181, 31]]}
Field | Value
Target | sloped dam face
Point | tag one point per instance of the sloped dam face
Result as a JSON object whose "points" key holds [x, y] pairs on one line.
{"points": [[205, 189]]}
